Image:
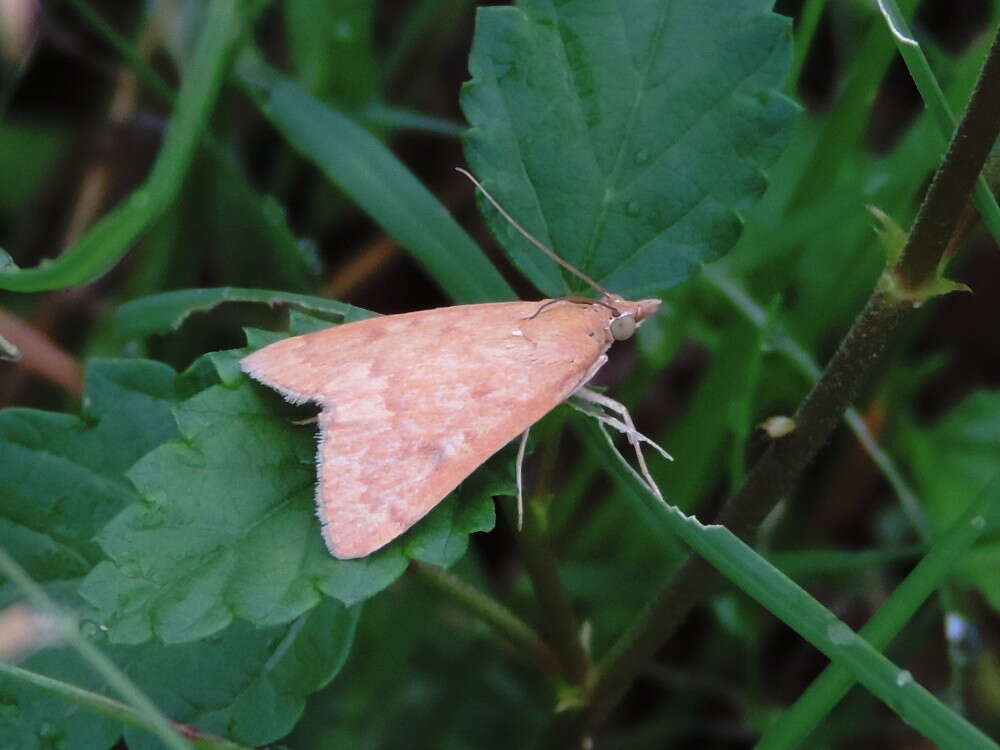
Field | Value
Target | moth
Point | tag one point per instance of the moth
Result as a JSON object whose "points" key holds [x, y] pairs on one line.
{"points": [[411, 404]]}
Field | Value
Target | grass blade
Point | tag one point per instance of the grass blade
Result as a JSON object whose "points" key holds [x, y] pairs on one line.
{"points": [[112, 236], [364, 168], [777, 593]]}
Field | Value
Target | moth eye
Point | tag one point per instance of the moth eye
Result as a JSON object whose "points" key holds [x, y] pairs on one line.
{"points": [[623, 327]]}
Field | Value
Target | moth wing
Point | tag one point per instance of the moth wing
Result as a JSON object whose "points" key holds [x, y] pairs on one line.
{"points": [[412, 404]]}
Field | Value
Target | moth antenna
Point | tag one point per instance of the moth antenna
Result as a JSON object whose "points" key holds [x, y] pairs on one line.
{"points": [[532, 239]]}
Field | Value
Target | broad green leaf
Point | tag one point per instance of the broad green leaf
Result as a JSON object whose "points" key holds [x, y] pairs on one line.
{"points": [[361, 165], [957, 456], [68, 478], [64, 476], [260, 677], [161, 313], [112, 236], [226, 528], [630, 137]]}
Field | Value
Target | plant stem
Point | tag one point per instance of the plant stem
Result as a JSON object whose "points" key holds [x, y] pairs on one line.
{"points": [[559, 620], [949, 192], [859, 354], [559, 624], [812, 12], [493, 613]]}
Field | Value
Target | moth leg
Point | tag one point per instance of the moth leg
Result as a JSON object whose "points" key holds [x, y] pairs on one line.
{"points": [[519, 473], [624, 425], [589, 375]]}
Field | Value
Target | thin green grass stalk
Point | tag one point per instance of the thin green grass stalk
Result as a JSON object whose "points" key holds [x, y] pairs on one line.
{"points": [[264, 207], [936, 102], [812, 563], [112, 236], [844, 129], [127, 689], [142, 69], [374, 178], [112, 709], [740, 413], [401, 118], [809, 19], [796, 723]]}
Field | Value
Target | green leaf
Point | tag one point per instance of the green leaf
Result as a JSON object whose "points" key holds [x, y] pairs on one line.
{"points": [[226, 528], [260, 679], [67, 478], [162, 313], [112, 236], [360, 165], [957, 456], [332, 49], [634, 166], [64, 476]]}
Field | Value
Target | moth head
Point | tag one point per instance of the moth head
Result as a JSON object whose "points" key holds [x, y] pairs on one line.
{"points": [[628, 315], [622, 326]]}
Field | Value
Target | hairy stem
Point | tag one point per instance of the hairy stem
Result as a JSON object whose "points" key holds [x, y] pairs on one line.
{"points": [[948, 194]]}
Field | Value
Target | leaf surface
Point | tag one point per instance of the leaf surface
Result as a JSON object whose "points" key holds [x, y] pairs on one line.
{"points": [[226, 527], [634, 166], [68, 478]]}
